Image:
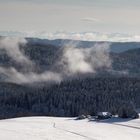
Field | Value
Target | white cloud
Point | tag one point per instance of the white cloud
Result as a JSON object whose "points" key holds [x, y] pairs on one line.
{"points": [[11, 45], [85, 60], [12, 75], [90, 19], [85, 36], [74, 60]]}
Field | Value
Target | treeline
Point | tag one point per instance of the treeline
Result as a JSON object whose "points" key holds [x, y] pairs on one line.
{"points": [[69, 98]]}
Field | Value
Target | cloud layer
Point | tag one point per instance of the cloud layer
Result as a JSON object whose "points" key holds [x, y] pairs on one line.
{"points": [[74, 60], [85, 36], [85, 60]]}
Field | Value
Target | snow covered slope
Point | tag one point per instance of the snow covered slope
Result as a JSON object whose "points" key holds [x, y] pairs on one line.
{"points": [[51, 128]]}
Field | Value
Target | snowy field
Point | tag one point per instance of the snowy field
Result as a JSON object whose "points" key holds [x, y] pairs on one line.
{"points": [[51, 128]]}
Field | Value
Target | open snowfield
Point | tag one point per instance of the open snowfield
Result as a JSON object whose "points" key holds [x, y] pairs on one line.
{"points": [[51, 128]]}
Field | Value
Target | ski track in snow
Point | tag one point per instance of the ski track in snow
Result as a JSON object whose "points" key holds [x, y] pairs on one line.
{"points": [[74, 133], [135, 127]]}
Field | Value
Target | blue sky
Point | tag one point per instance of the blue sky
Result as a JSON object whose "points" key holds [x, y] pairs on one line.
{"points": [[108, 16]]}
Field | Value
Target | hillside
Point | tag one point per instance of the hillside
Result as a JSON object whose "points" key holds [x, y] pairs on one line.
{"points": [[37, 79], [69, 98], [50, 128]]}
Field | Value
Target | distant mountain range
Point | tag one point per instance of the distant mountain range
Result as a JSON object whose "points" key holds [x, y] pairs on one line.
{"points": [[114, 46], [44, 53]]}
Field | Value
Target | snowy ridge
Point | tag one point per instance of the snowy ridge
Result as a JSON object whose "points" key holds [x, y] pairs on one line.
{"points": [[51, 128]]}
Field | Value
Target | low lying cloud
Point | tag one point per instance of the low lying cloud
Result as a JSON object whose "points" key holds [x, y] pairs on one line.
{"points": [[12, 75], [74, 60], [85, 60], [12, 47]]}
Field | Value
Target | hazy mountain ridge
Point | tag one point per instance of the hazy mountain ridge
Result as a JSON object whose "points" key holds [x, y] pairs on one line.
{"points": [[114, 46], [46, 55]]}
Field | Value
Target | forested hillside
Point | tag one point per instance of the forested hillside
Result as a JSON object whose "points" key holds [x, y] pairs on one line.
{"points": [[39, 83], [70, 98]]}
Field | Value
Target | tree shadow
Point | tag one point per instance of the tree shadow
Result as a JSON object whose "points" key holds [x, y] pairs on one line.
{"points": [[111, 120]]}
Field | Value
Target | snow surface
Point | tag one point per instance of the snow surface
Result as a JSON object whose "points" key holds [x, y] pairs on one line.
{"points": [[51, 128]]}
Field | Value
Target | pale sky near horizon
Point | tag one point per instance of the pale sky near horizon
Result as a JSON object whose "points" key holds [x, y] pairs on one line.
{"points": [[121, 16]]}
